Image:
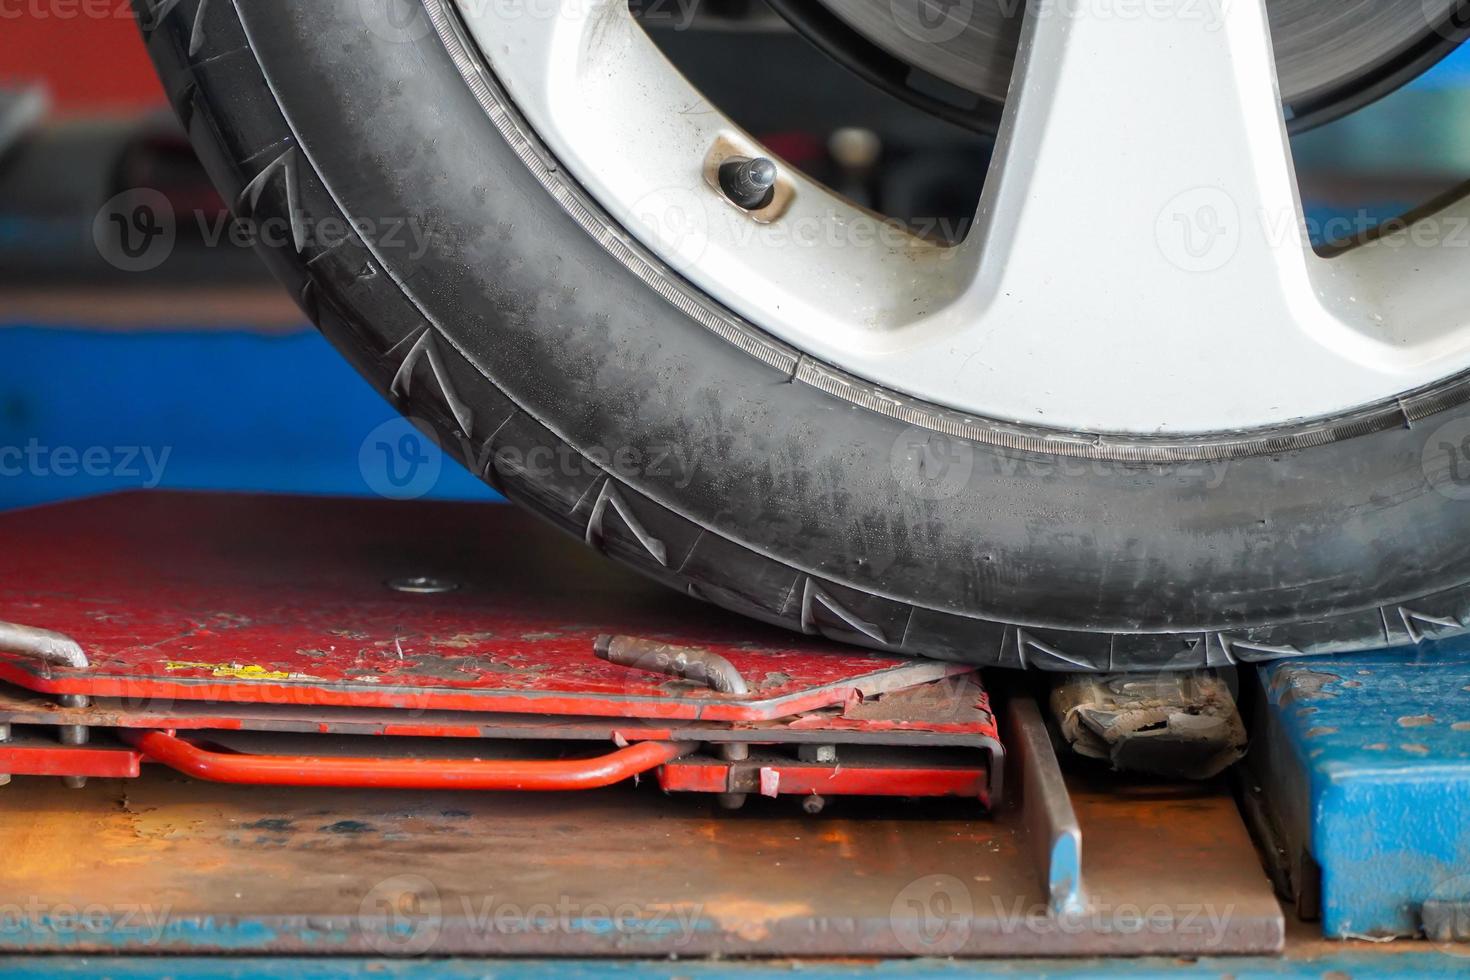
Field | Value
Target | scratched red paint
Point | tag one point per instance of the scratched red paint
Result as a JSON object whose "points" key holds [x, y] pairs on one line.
{"points": [[284, 600], [916, 781]]}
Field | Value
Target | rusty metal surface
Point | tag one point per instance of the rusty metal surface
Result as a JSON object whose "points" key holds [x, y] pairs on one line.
{"points": [[189, 597], [164, 864], [686, 663]]}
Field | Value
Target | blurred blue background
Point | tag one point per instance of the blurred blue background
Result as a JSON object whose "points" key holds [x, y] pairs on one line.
{"points": [[202, 410]]}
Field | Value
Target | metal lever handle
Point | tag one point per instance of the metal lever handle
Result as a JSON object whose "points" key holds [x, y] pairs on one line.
{"points": [[45, 645], [686, 663], [477, 774]]}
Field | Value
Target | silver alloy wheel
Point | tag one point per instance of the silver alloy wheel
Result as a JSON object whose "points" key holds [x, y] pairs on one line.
{"points": [[1140, 263]]}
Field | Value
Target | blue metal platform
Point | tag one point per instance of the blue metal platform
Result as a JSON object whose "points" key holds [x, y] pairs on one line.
{"points": [[1364, 766], [1354, 962]]}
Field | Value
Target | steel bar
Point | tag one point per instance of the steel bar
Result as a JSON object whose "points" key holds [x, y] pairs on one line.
{"points": [[1046, 808]]}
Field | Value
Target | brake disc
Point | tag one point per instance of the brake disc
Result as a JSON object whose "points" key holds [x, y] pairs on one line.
{"points": [[1331, 55]]}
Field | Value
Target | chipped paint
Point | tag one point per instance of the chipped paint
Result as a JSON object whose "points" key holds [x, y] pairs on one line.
{"points": [[243, 672], [752, 919], [1368, 784], [324, 625]]}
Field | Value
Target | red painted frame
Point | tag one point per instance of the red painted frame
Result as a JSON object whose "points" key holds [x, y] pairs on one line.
{"points": [[232, 613]]}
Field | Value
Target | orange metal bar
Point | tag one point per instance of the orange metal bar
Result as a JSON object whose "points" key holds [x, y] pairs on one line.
{"points": [[478, 774]]}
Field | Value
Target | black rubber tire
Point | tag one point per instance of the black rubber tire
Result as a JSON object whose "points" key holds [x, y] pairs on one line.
{"points": [[520, 336]]}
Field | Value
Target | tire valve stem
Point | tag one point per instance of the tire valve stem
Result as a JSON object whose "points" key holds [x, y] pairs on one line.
{"points": [[749, 184]]}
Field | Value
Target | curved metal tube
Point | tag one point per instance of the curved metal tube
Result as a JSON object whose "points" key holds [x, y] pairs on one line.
{"points": [[687, 663], [477, 774], [46, 645]]}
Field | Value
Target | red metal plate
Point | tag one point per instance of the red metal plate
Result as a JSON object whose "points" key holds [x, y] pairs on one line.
{"points": [[285, 600], [900, 776], [32, 756]]}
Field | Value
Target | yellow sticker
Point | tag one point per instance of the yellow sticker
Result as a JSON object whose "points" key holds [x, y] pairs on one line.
{"points": [[244, 672]]}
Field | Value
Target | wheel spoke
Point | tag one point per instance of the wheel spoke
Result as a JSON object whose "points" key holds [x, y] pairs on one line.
{"points": [[639, 138], [1139, 262], [1415, 277], [1141, 145]]}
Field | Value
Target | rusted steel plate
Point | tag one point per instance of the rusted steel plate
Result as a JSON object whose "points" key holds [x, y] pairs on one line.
{"points": [[193, 597], [161, 864]]}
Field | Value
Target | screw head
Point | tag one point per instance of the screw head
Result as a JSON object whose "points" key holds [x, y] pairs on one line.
{"points": [[749, 184], [423, 585], [762, 173]]}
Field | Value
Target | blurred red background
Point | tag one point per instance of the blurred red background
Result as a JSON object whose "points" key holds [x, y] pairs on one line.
{"points": [[87, 52]]}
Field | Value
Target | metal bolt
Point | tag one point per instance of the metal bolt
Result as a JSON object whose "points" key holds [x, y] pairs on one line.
{"points": [[824, 754], [74, 735], [732, 752], [814, 804], [423, 585], [4, 737], [749, 184]]}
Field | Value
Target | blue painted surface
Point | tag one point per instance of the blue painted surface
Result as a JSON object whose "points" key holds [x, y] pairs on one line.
{"points": [[85, 412], [1369, 759], [1357, 964], [1453, 72]]}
